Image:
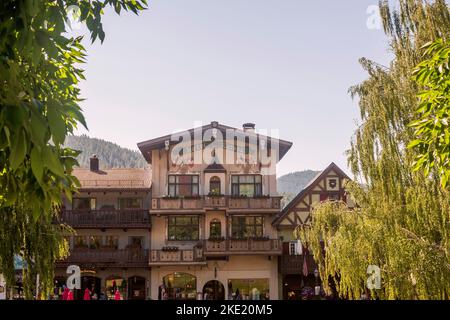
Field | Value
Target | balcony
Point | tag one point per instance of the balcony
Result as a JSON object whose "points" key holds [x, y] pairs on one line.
{"points": [[293, 264], [177, 257], [130, 219], [107, 257], [270, 204], [244, 246]]}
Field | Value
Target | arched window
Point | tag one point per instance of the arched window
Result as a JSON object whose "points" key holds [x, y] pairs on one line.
{"points": [[214, 186], [215, 229], [180, 286]]}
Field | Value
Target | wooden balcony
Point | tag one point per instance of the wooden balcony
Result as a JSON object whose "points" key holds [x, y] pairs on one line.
{"points": [[246, 246], [271, 204], [293, 264], [107, 257], [130, 219], [177, 257]]}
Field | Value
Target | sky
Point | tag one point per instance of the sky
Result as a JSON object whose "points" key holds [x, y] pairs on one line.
{"points": [[281, 64]]}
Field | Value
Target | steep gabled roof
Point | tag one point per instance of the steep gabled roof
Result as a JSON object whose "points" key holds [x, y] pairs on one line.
{"points": [[159, 143], [302, 194]]}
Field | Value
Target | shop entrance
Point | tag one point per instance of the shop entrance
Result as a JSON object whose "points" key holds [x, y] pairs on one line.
{"points": [[90, 282], [136, 288], [213, 290]]}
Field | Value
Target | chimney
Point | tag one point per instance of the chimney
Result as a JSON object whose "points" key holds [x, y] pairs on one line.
{"points": [[248, 127], [93, 165]]}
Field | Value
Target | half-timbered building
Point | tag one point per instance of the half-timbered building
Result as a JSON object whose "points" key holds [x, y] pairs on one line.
{"points": [[296, 265]]}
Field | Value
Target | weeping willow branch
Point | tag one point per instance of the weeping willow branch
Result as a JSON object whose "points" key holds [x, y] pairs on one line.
{"points": [[402, 223]]}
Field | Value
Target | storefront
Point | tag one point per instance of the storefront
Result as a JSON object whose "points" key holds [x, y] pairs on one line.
{"points": [[179, 286], [137, 287], [114, 283], [248, 289]]}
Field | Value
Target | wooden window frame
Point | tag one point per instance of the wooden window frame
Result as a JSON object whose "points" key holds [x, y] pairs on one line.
{"points": [[254, 183], [242, 228], [191, 226], [175, 184]]}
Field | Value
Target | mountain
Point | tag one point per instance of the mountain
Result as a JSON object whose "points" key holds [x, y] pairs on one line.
{"points": [[110, 154], [292, 183]]}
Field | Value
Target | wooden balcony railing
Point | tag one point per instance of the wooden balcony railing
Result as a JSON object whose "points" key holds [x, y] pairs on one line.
{"points": [[106, 218], [163, 257], [293, 264], [245, 246], [221, 202], [133, 257]]}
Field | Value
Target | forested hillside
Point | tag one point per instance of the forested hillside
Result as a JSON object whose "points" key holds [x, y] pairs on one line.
{"points": [[110, 154], [292, 183]]}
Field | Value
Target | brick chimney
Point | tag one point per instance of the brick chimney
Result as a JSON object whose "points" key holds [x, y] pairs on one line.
{"points": [[248, 127], [93, 164]]}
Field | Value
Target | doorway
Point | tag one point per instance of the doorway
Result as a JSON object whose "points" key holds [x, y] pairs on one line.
{"points": [[213, 290], [90, 282], [136, 288]]}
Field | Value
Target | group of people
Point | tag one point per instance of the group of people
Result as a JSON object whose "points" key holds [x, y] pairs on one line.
{"points": [[68, 294]]}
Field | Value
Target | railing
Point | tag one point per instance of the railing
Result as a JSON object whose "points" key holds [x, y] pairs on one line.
{"points": [[245, 246], [294, 264], [176, 256], [239, 203], [106, 218], [112, 183], [108, 256]]}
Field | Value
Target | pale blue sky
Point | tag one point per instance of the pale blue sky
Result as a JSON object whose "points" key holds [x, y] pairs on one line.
{"points": [[282, 64]]}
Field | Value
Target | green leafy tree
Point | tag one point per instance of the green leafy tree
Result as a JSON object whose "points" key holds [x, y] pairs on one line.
{"points": [[432, 127], [402, 222], [39, 96]]}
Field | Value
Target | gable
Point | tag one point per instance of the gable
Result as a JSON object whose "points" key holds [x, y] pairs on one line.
{"points": [[329, 184]]}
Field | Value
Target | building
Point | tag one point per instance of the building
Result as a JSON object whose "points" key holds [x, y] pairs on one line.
{"points": [[112, 223], [195, 226], [297, 268], [212, 232]]}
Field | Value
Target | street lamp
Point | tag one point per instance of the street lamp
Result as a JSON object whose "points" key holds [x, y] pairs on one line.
{"points": [[317, 287]]}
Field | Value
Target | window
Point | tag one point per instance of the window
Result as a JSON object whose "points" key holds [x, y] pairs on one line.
{"points": [[248, 289], [136, 242], [112, 242], [84, 204], [130, 203], [183, 185], [246, 185], [179, 286], [295, 248], [183, 228], [215, 229], [243, 227], [214, 186], [80, 242], [95, 242]]}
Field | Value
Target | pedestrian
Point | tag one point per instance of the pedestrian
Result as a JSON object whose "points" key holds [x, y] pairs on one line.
{"points": [[87, 294]]}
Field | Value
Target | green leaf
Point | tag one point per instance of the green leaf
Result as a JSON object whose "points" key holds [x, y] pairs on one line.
{"points": [[18, 149], [414, 143], [37, 165], [51, 161], [56, 123]]}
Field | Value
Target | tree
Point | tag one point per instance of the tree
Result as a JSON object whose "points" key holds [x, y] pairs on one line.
{"points": [[39, 96], [432, 127], [402, 222]]}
